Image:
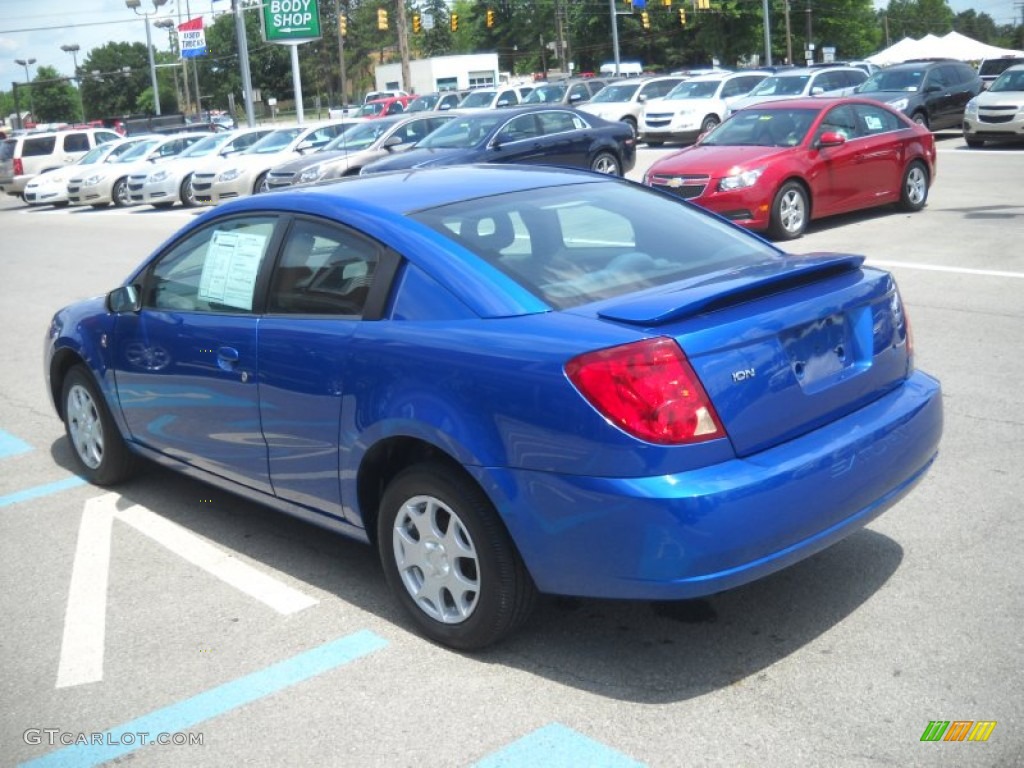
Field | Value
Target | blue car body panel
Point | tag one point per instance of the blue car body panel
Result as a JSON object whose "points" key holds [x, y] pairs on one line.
{"points": [[828, 424]]}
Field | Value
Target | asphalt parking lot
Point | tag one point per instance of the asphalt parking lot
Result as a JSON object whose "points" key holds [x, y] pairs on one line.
{"points": [[169, 607]]}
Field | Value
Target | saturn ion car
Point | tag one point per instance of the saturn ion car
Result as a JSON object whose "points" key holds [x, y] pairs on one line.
{"points": [[508, 380]]}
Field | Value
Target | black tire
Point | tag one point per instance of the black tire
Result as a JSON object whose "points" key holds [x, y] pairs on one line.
{"points": [[631, 122], [914, 187], [187, 193], [791, 212], [920, 118], [710, 123], [261, 184], [101, 454], [119, 193], [607, 163], [496, 591], [974, 143]]}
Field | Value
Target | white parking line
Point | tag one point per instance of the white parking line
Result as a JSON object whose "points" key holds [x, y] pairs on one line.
{"points": [[82, 647], [940, 268]]}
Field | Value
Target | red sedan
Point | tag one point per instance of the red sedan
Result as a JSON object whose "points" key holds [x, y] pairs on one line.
{"points": [[776, 166]]}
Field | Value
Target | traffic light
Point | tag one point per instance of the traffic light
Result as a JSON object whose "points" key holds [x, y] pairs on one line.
{"points": [[490, 18], [342, 25], [667, 3], [645, 19], [382, 19], [417, 24], [455, 22], [703, 5], [682, 17]]}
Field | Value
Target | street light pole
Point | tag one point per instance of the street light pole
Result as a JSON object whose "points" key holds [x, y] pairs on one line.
{"points": [[28, 81], [134, 5], [73, 49]]}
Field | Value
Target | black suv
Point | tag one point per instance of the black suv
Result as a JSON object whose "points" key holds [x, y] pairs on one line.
{"points": [[931, 92]]}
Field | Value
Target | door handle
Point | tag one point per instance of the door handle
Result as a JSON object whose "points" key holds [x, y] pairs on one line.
{"points": [[227, 358]]}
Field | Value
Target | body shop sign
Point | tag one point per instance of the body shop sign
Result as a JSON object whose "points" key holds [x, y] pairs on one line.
{"points": [[290, 21]]}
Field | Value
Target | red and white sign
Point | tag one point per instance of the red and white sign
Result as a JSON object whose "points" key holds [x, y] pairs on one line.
{"points": [[191, 38]]}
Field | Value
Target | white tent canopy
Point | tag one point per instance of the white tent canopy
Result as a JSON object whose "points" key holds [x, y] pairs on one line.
{"points": [[951, 46]]}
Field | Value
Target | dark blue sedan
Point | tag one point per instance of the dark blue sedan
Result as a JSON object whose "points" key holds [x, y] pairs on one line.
{"points": [[509, 380], [545, 135]]}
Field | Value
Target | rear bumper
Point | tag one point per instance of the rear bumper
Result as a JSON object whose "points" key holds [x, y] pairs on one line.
{"points": [[697, 533]]}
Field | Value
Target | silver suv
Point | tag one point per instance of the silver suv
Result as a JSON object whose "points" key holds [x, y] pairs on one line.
{"points": [[26, 156]]}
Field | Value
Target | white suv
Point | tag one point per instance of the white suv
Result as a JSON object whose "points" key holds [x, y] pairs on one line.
{"points": [[794, 83], [695, 106], [625, 99], [25, 156]]}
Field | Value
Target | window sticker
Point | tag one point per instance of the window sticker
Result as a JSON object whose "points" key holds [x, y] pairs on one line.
{"points": [[873, 122], [229, 273]]}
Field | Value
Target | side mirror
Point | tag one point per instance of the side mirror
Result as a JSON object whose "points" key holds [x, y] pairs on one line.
{"points": [[641, 98], [817, 90], [932, 88], [831, 139], [124, 299], [393, 141], [304, 147]]}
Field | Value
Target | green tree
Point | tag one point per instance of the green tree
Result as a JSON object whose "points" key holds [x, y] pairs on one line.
{"points": [[54, 98], [849, 26], [917, 18], [114, 77], [979, 26]]}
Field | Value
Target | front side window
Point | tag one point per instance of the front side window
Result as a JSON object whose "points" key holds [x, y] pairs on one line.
{"points": [[212, 270], [323, 270]]}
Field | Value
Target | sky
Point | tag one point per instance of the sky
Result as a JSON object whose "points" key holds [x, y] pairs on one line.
{"points": [[38, 29]]}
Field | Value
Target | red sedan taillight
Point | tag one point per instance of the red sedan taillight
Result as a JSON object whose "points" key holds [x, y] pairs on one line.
{"points": [[649, 390]]}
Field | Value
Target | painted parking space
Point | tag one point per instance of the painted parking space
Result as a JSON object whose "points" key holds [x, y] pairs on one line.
{"points": [[178, 718], [557, 746]]}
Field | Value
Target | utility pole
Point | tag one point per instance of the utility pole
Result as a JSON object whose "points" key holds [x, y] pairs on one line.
{"points": [[341, 50], [789, 37], [403, 45]]}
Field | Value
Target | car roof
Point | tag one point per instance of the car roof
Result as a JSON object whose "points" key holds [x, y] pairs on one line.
{"points": [[813, 102], [918, 63], [716, 76], [406, 191], [804, 71]]}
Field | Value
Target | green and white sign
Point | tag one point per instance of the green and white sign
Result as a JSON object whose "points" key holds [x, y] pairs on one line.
{"points": [[291, 21]]}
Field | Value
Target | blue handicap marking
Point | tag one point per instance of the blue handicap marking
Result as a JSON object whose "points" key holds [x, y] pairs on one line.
{"points": [[41, 490], [11, 445], [178, 717], [556, 746]]}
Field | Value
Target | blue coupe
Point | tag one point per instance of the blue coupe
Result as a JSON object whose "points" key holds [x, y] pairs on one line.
{"points": [[510, 380]]}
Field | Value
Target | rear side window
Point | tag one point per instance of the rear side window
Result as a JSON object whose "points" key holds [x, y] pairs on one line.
{"points": [[7, 149], [586, 242], [76, 142], [39, 146]]}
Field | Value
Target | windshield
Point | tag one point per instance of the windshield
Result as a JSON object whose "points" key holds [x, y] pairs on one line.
{"points": [[94, 155], [546, 94], [371, 109], [138, 152], [902, 80], [478, 99], [423, 103], [694, 89], [755, 127], [781, 86], [360, 136], [207, 145], [579, 243], [993, 67], [1009, 81], [612, 93], [462, 132], [274, 142]]}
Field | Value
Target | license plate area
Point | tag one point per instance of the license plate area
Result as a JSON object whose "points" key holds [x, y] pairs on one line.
{"points": [[827, 350]]}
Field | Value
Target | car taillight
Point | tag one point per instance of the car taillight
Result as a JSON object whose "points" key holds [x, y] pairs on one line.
{"points": [[649, 390], [19, 167]]}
